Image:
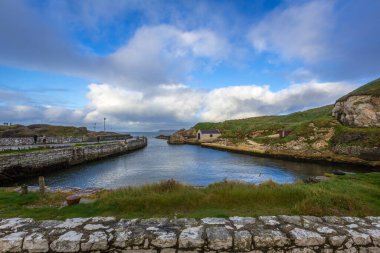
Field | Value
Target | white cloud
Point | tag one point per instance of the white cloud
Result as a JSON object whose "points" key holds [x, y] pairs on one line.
{"points": [[183, 105], [250, 101], [295, 32]]}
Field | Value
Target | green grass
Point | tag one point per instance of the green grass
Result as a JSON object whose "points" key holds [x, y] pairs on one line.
{"points": [[298, 123], [371, 88], [23, 151], [356, 195]]}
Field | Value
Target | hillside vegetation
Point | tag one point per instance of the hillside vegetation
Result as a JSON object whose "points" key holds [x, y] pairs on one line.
{"points": [[224, 199], [371, 88], [301, 124]]}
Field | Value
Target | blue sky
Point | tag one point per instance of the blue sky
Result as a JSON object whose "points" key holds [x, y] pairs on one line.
{"points": [[148, 65]]}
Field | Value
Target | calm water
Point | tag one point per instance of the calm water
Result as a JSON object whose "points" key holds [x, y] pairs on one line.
{"points": [[187, 163]]}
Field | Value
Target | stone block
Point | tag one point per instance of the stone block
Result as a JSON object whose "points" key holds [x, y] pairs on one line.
{"points": [[191, 238], [68, 242], [304, 237], [219, 238]]}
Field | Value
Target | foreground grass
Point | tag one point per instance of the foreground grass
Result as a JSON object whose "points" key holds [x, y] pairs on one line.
{"points": [[356, 195]]}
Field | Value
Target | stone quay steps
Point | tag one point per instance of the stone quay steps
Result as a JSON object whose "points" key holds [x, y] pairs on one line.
{"points": [[282, 233]]}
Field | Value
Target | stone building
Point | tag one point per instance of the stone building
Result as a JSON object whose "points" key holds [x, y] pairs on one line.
{"points": [[208, 135]]}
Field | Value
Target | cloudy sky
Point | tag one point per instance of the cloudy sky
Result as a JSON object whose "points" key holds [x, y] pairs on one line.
{"points": [[149, 65]]}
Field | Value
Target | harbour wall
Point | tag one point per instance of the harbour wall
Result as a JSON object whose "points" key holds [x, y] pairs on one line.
{"points": [[17, 141], [18, 165], [293, 234]]}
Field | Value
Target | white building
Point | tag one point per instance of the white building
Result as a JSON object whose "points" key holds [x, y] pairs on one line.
{"points": [[208, 135]]}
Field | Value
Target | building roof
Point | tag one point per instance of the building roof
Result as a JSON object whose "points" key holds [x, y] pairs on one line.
{"points": [[210, 131]]}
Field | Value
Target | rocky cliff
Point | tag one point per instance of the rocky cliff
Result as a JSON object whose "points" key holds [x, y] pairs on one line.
{"points": [[358, 111], [361, 107]]}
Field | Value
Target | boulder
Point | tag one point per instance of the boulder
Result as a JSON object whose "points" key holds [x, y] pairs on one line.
{"points": [[358, 111]]}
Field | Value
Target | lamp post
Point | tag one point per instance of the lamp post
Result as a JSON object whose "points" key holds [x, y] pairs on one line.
{"points": [[105, 124]]}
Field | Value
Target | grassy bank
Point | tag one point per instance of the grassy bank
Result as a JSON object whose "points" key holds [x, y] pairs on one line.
{"points": [[357, 195]]}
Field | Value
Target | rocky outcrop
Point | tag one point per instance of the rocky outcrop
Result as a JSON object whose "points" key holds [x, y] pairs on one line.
{"points": [[181, 136], [176, 139], [237, 234], [358, 111]]}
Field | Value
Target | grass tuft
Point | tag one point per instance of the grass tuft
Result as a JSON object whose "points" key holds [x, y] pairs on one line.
{"points": [[356, 195]]}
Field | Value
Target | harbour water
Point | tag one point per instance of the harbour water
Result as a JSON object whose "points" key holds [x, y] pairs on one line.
{"points": [[186, 163]]}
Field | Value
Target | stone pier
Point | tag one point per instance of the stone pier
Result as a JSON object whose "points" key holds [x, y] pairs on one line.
{"points": [[294, 234], [18, 165]]}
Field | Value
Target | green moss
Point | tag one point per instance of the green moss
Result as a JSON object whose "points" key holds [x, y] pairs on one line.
{"points": [[356, 195]]}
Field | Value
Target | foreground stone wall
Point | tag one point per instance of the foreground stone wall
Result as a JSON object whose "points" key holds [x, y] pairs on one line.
{"points": [[358, 111], [15, 166], [294, 234]]}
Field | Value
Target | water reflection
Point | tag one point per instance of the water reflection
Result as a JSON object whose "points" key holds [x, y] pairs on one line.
{"points": [[187, 163]]}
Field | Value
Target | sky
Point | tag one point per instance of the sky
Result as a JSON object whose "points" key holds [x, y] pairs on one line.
{"points": [[150, 65]]}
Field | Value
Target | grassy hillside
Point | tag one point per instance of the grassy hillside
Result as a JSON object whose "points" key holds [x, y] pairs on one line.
{"points": [[371, 88], [41, 130], [300, 123]]}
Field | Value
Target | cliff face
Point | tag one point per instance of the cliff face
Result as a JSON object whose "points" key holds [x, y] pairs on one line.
{"points": [[358, 111]]}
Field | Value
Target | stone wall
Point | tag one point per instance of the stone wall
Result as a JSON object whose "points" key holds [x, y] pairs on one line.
{"points": [[358, 111], [16, 141], [293, 234], [20, 165]]}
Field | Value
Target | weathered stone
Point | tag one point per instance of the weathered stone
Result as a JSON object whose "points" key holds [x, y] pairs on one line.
{"points": [[312, 218], [14, 223], [214, 221], [240, 222], [326, 230], [36, 242], [185, 222], [191, 237], [373, 250], [97, 241], [350, 250], [12, 242], [359, 238], [375, 235], [304, 237], [139, 251], [352, 219], [103, 219], [168, 250], [48, 224], [72, 223], [164, 239], [243, 240], [219, 238], [123, 239], [295, 220], [270, 238], [359, 111], [154, 222], [92, 227], [337, 240], [333, 219], [68, 242], [269, 220], [302, 250]]}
